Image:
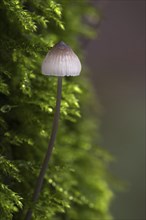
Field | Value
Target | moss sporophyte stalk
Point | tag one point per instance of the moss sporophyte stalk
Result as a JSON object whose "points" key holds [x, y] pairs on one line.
{"points": [[60, 61]]}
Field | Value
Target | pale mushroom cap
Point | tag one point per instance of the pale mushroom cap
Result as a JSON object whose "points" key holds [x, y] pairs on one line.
{"points": [[61, 61]]}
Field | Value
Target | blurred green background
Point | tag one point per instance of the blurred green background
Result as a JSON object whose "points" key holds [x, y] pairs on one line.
{"points": [[117, 59]]}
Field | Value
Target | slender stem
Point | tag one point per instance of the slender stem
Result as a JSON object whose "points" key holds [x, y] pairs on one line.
{"points": [[49, 150]]}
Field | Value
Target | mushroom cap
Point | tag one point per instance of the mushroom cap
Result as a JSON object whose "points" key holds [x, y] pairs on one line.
{"points": [[61, 61]]}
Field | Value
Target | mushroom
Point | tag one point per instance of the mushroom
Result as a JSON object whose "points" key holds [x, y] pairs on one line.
{"points": [[60, 61]]}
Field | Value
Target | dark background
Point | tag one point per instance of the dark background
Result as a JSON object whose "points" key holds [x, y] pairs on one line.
{"points": [[117, 62]]}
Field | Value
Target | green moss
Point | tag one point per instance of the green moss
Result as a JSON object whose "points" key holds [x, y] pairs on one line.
{"points": [[76, 184]]}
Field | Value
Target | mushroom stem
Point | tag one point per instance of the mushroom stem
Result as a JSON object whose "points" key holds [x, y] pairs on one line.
{"points": [[49, 150]]}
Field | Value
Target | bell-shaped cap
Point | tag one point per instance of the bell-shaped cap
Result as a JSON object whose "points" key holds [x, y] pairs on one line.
{"points": [[61, 61]]}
